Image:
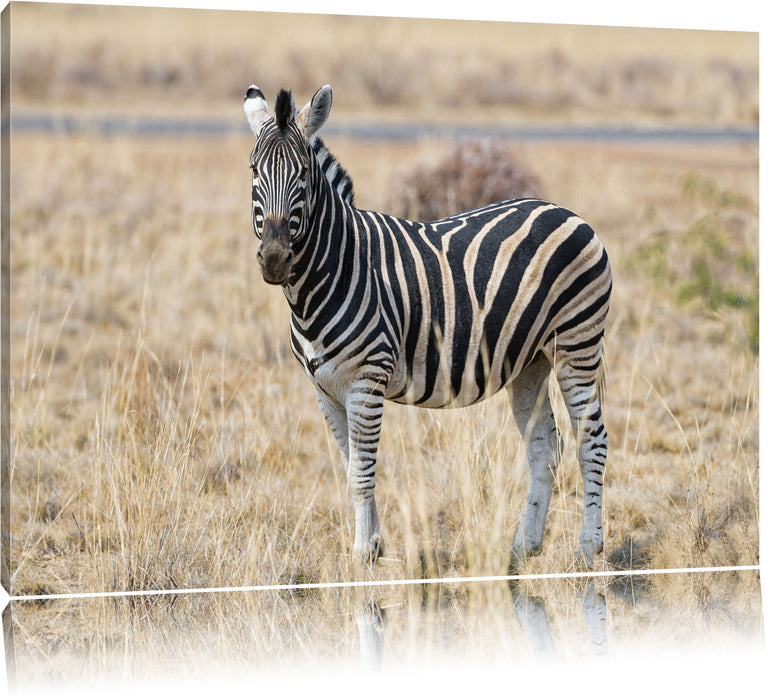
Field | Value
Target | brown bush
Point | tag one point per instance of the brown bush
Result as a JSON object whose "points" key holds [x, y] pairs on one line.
{"points": [[472, 174]]}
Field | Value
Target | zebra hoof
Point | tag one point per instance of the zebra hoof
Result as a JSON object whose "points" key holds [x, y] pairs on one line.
{"points": [[524, 546], [588, 549], [518, 555], [516, 561], [369, 555]]}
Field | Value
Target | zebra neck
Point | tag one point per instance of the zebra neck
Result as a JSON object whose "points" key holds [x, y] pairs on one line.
{"points": [[323, 262]]}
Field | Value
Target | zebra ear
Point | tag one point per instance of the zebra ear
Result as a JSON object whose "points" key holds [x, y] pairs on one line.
{"points": [[314, 114], [255, 107]]}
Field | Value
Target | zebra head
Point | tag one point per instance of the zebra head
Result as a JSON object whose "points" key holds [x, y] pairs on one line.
{"points": [[280, 162]]}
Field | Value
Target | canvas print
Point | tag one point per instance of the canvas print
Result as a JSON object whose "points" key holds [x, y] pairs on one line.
{"points": [[293, 300]]}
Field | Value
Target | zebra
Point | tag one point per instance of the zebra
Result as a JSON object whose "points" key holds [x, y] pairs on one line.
{"points": [[440, 314]]}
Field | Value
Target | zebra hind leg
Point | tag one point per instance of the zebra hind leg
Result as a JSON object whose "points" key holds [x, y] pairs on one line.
{"points": [[579, 385], [529, 395]]}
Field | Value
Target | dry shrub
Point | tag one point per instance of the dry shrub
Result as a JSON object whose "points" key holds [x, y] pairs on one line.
{"points": [[470, 175]]}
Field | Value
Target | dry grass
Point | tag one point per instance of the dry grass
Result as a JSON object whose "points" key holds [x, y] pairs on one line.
{"points": [[164, 437], [162, 434]]}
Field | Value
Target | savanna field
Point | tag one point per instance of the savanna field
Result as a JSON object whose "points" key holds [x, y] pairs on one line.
{"points": [[162, 434]]}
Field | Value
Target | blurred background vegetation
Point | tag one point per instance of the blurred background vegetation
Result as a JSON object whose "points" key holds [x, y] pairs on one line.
{"points": [[183, 61]]}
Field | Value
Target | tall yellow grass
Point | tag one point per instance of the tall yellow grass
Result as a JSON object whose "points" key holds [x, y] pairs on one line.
{"points": [[164, 437]]}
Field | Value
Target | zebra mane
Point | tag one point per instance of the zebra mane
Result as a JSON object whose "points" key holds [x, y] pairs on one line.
{"points": [[333, 171], [284, 109]]}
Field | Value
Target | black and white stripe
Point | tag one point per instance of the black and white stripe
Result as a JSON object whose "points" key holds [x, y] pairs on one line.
{"points": [[433, 314]]}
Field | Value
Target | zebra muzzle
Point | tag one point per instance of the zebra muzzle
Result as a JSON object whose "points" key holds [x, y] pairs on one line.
{"points": [[274, 255]]}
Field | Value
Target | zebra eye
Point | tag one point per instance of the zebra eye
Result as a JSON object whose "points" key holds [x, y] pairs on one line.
{"points": [[303, 178]]}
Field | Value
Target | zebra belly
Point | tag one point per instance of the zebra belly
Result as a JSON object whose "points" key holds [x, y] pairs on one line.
{"points": [[455, 383], [410, 394]]}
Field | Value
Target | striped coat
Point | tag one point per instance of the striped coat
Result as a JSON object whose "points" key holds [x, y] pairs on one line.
{"points": [[436, 314]]}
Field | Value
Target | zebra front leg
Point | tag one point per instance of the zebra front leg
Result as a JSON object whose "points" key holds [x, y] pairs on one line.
{"points": [[529, 394], [336, 418], [365, 415]]}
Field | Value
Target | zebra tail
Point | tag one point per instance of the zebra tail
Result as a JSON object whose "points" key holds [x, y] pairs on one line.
{"points": [[600, 380]]}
